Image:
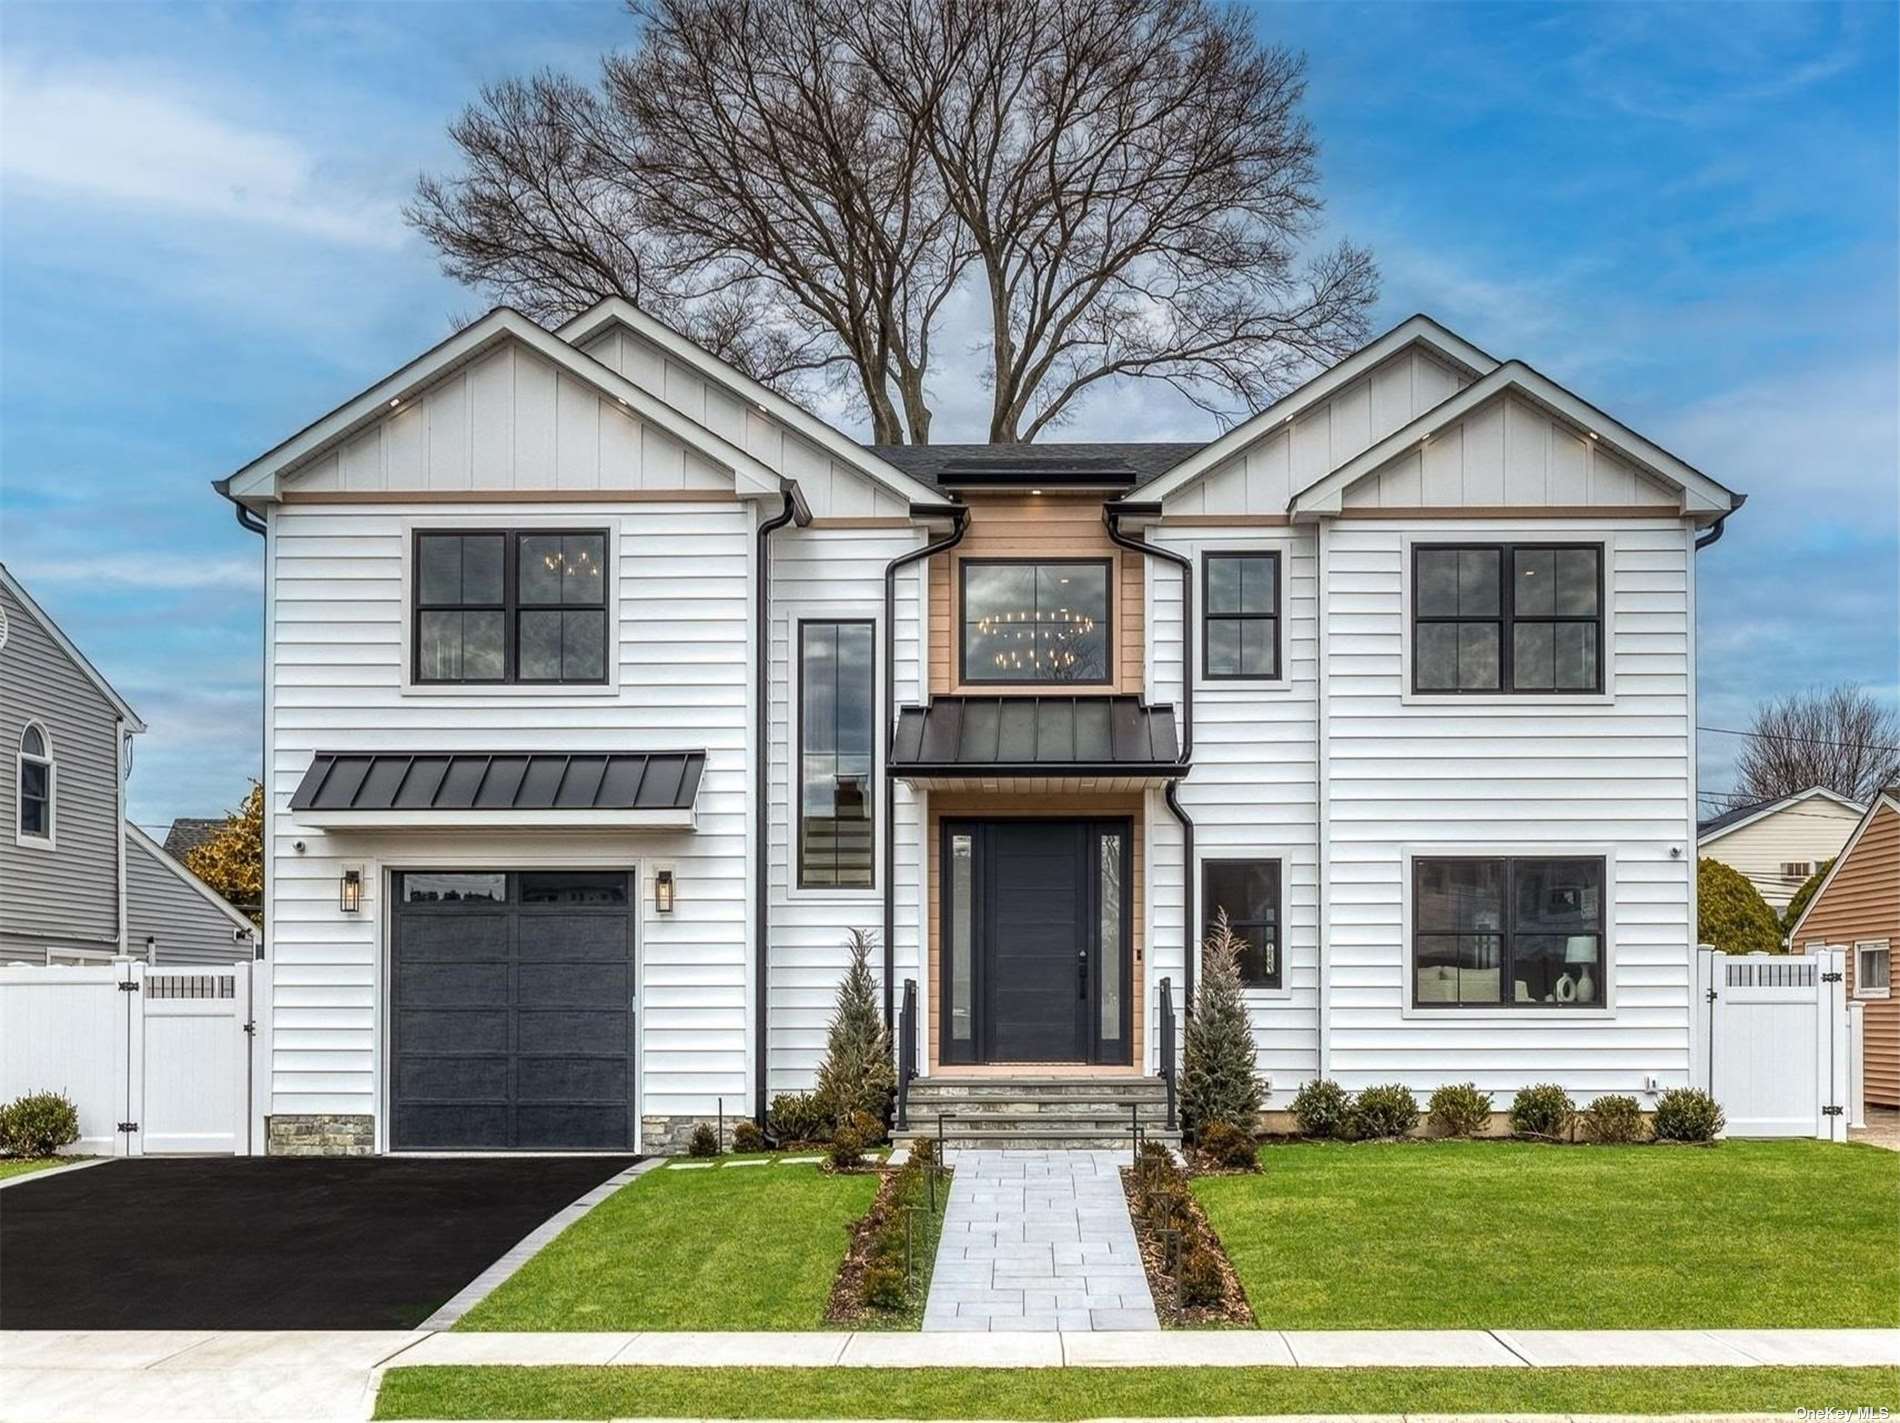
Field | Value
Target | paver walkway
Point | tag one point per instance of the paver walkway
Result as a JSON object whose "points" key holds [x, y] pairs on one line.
{"points": [[1038, 1240]]}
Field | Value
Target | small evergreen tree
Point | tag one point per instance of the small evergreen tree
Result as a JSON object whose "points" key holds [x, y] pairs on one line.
{"points": [[1730, 912], [231, 860], [1218, 1082], [857, 1074], [1799, 902]]}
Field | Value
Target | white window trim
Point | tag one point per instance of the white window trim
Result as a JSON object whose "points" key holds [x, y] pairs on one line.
{"points": [[1196, 636], [50, 840], [74, 958], [1872, 946], [794, 618], [1284, 856], [1537, 1017], [451, 521], [1460, 532]]}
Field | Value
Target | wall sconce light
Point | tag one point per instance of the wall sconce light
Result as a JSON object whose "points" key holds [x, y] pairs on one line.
{"points": [[663, 891], [350, 891]]}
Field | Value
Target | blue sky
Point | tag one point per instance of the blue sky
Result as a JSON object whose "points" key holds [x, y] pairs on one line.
{"points": [[1687, 215]]}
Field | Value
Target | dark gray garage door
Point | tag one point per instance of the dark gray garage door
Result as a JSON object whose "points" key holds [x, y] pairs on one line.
{"points": [[511, 1012]]}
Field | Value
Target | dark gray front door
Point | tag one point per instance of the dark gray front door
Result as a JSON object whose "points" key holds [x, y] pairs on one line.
{"points": [[511, 1010], [1036, 941]]}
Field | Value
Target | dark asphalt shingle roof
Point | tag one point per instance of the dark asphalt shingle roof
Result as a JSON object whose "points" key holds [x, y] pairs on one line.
{"points": [[189, 832], [948, 466], [502, 780]]}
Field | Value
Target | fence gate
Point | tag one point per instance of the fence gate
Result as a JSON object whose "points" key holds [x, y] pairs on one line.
{"points": [[157, 1058], [1773, 1042]]}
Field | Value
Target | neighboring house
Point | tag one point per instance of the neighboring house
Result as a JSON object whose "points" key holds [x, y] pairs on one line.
{"points": [[606, 690], [1857, 908], [187, 833], [79, 883], [1778, 844]]}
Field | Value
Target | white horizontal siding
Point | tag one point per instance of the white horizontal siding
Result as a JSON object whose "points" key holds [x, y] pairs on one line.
{"points": [[827, 574], [1614, 772], [682, 605]]}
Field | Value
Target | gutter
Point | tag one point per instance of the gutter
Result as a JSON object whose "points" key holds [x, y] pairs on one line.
{"points": [[795, 508], [1714, 533], [1112, 515], [960, 515]]}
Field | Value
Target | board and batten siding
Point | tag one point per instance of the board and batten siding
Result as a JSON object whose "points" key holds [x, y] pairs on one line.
{"points": [[1861, 904], [1478, 774], [834, 574], [1810, 831], [681, 627], [166, 905], [1253, 793], [65, 896]]}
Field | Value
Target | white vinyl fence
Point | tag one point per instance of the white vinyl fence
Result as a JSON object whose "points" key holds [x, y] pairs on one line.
{"points": [[1775, 1043], [157, 1059]]}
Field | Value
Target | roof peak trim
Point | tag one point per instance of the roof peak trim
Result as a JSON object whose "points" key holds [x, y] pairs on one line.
{"points": [[70, 648]]}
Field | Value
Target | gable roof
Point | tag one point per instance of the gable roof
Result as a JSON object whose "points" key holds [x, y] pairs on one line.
{"points": [[1699, 493], [188, 832], [1417, 330], [260, 478], [65, 645], [1888, 799], [614, 310], [190, 881], [1735, 817]]}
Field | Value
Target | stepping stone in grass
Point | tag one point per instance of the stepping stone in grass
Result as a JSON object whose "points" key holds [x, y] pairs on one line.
{"points": [[798, 1160], [692, 1166], [760, 1162]]}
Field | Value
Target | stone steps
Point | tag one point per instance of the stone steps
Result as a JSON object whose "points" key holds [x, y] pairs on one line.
{"points": [[1029, 1112]]}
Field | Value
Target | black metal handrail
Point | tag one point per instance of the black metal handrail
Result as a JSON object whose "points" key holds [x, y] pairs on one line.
{"points": [[1167, 1053], [906, 1052]]}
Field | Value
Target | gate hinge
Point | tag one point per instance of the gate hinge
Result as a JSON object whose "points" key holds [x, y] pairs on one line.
{"points": [[1709, 995], [130, 985], [250, 1028], [128, 1126], [1830, 1111], [1831, 978]]}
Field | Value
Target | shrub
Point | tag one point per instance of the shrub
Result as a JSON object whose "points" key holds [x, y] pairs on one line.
{"points": [[1229, 1147], [1320, 1108], [857, 1074], [884, 1285], [923, 1151], [1801, 897], [1390, 1110], [38, 1124], [1614, 1120], [796, 1116], [1543, 1110], [1730, 912], [1218, 1081], [1686, 1114], [704, 1141], [1201, 1279], [1460, 1109], [746, 1136], [846, 1151]]}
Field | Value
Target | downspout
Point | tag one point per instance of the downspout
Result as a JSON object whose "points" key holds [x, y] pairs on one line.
{"points": [[960, 514], [1714, 533], [1112, 515], [248, 520], [761, 791]]}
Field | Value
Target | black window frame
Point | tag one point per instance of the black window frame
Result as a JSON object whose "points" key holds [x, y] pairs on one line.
{"points": [[1277, 981], [1209, 617], [798, 760], [1508, 934], [511, 607], [1506, 618], [1108, 567]]}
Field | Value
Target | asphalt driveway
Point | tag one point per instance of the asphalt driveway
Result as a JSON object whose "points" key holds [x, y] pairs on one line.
{"points": [[269, 1243]]}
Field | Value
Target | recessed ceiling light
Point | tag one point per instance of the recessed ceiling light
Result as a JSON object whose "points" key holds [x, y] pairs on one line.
{"points": [[1035, 491], [1593, 434], [394, 403]]}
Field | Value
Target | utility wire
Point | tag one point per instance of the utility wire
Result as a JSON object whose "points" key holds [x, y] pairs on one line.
{"points": [[1803, 740]]}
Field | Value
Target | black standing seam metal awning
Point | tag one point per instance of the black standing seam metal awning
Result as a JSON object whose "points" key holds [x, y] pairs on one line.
{"points": [[1102, 735], [499, 780]]}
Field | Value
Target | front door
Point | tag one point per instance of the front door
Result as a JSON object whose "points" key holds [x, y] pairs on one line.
{"points": [[1036, 941]]}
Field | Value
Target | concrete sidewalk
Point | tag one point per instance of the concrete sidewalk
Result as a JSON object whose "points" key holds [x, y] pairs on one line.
{"points": [[149, 1376]]}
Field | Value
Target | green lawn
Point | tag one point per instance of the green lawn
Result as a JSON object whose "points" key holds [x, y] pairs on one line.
{"points": [[1033, 1395], [751, 1248], [11, 1167], [1494, 1235]]}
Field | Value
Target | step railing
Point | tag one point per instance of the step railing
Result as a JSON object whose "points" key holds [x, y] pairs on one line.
{"points": [[906, 1052], [1167, 1052]]}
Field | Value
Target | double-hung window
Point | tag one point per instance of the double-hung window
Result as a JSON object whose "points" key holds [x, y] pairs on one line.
{"points": [[1249, 892], [515, 605], [1241, 628], [33, 783], [1036, 621], [837, 796], [1873, 969], [1508, 933], [1514, 618]]}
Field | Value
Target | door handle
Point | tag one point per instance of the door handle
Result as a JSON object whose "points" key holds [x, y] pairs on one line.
{"points": [[1081, 973]]}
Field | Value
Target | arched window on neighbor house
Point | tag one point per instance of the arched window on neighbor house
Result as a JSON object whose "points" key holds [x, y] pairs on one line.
{"points": [[34, 782]]}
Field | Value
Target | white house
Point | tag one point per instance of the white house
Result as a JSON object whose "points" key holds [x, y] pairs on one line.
{"points": [[607, 690], [1778, 844]]}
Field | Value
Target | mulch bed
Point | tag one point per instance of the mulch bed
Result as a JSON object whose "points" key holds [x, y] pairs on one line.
{"points": [[846, 1305], [1232, 1312]]}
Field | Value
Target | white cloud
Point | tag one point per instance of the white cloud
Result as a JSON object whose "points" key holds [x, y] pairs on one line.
{"points": [[118, 142], [152, 571]]}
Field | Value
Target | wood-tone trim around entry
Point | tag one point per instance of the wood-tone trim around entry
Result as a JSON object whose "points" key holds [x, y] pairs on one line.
{"points": [[509, 496], [864, 521], [1522, 511]]}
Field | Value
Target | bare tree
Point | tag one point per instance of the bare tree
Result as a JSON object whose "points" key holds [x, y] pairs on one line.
{"points": [[803, 184], [1838, 737]]}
